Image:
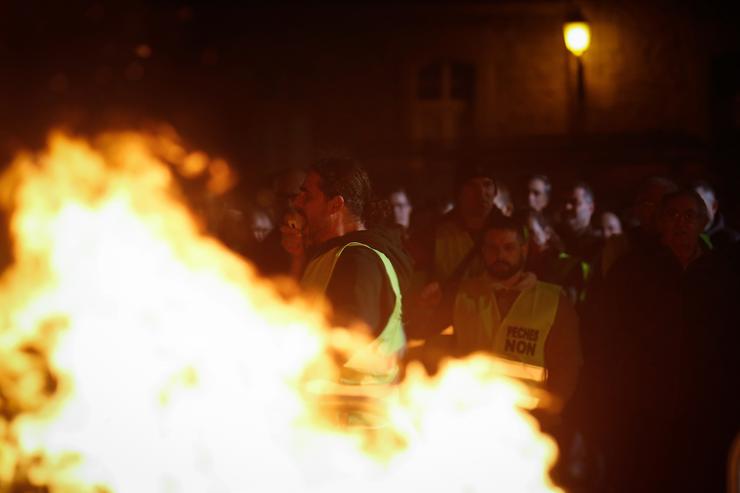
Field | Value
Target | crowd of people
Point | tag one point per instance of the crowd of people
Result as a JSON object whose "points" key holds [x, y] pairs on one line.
{"points": [[630, 322]]}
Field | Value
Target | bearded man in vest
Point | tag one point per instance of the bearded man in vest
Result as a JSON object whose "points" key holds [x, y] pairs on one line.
{"points": [[362, 271], [511, 314]]}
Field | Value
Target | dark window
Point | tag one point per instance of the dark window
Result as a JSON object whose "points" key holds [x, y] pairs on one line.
{"points": [[430, 81], [462, 85]]}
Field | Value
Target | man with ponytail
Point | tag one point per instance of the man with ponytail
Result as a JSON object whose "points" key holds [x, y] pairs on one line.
{"points": [[340, 248]]}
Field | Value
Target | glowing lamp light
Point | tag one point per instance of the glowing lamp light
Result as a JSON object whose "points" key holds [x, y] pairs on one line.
{"points": [[577, 36]]}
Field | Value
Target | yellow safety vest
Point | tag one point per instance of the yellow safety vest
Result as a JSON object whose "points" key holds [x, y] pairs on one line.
{"points": [[452, 244], [378, 362], [520, 336]]}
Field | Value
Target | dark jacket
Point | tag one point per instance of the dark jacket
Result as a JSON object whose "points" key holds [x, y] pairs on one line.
{"points": [[586, 245], [359, 289], [562, 269], [640, 363], [709, 409]]}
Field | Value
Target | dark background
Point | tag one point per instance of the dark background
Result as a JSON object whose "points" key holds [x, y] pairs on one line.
{"points": [[411, 89]]}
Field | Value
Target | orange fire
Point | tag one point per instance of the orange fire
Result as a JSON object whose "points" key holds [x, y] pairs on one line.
{"points": [[137, 354]]}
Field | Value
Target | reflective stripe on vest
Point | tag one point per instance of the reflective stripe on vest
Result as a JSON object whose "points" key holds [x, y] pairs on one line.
{"points": [[376, 363], [520, 336], [451, 245]]}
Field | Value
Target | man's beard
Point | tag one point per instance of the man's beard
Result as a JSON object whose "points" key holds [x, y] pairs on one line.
{"points": [[502, 270], [316, 230]]}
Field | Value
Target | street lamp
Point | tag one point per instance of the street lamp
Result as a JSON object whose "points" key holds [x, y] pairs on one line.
{"points": [[577, 37]]}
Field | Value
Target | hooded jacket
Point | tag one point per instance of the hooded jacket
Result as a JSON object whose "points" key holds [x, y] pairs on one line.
{"points": [[359, 289]]}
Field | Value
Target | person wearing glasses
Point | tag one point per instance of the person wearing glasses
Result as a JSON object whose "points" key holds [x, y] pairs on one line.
{"points": [[641, 345], [681, 220], [643, 233]]}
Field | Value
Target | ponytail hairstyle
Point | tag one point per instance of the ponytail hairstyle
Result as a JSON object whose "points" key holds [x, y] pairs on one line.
{"points": [[345, 177]]}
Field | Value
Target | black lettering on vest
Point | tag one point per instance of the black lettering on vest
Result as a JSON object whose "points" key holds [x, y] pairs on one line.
{"points": [[519, 346], [510, 346], [521, 340], [526, 348], [522, 333]]}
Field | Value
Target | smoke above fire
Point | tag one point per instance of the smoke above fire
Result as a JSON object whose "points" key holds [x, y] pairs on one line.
{"points": [[138, 354]]}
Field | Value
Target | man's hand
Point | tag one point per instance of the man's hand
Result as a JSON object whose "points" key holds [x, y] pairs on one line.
{"points": [[292, 231], [294, 242]]}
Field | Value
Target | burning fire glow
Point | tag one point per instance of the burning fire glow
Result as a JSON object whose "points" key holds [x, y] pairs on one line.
{"points": [[137, 354]]}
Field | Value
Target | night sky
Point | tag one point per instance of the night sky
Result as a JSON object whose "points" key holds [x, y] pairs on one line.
{"points": [[270, 85]]}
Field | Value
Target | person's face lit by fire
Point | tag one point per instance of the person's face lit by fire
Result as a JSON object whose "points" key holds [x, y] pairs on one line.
{"points": [[579, 207], [537, 195], [315, 207], [477, 196], [680, 222], [504, 253]]}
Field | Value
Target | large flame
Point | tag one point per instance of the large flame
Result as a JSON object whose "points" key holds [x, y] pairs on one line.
{"points": [[137, 354]]}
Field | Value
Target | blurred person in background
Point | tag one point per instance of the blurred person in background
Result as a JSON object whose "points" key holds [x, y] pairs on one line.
{"points": [[450, 249], [579, 237], [610, 225], [640, 239], [644, 233], [401, 208], [242, 229], [550, 263], [639, 348], [710, 373], [447, 252], [226, 219], [429, 213], [260, 224], [503, 201], [269, 256], [539, 190], [237, 228], [719, 234]]}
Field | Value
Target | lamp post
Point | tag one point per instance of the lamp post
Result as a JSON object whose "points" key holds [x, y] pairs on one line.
{"points": [[577, 37]]}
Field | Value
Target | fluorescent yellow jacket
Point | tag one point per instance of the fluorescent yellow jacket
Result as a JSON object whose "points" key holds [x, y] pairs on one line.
{"points": [[452, 243], [521, 335], [376, 363]]}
